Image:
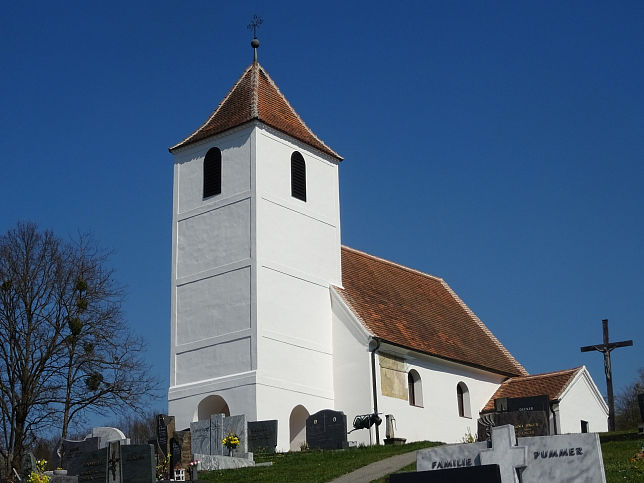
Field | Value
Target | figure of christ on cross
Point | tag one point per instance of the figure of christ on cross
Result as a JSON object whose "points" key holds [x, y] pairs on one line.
{"points": [[606, 349]]}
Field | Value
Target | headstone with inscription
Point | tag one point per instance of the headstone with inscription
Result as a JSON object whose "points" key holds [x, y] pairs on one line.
{"points": [[327, 429], [235, 425], [72, 453], [570, 457], [262, 436], [137, 463], [640, 401], [165, 431], [93, 466], [175, 454], [200, 437], [108, 434], [119, 464], [528, 415]]}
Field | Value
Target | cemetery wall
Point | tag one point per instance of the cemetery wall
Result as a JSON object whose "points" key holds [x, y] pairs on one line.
{"points": [[582, 401]]}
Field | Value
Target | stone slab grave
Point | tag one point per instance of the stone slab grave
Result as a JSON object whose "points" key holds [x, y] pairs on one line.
{"points": [[164, 432], [327, 429], [262, 436], [118, 463], [569, 457]]}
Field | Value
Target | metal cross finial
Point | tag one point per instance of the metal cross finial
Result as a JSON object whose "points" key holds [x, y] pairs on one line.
{"points": [[255, 22]]}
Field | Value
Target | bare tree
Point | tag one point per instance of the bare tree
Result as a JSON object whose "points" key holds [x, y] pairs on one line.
{"points": [[627, 412], [64, 346]]}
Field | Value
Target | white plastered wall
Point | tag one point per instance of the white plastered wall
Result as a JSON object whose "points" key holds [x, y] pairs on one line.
{"points": [[212, 317], [582, 401]]}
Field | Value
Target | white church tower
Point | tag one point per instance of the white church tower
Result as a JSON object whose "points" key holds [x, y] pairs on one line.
{"points": [[255, 247]]}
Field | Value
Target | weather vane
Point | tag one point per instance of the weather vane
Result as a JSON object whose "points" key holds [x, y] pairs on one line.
{"points": [[255, 22]]}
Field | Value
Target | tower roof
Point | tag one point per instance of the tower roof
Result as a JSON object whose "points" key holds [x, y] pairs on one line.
{"points": [[419, 311], [256, 96]]}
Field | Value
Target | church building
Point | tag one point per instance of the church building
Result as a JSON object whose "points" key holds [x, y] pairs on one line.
{"points": [[272, 317]]}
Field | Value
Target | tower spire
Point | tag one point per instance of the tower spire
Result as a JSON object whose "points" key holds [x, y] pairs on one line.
{"points": [[254, 24]]}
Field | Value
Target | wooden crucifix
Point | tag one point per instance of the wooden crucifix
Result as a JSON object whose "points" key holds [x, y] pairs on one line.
{"points": [[606, 349]]}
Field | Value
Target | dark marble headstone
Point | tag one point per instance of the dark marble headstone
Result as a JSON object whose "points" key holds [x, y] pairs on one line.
{"points": [[526, 423], [137, 463], [640, 400], [175, 454], [327, 429], [28, 464], [165, 432], [262, 436], [73, 453], [478, 474], [93, 466]]}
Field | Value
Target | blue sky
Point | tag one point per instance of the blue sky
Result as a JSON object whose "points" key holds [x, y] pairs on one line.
{"points": [[498, 145]]}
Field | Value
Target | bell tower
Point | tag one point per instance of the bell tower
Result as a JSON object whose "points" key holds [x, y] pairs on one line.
{"points": [[255, 247]]}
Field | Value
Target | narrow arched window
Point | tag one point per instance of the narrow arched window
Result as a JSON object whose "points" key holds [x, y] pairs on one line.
{"points": [[463, 397], [415, 388], [212, 173], [298, 176]]}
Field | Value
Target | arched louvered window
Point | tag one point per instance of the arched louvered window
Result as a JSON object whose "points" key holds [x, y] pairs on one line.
{"points": [[463, 397], [298, 176], [415, 388], [212, 173]]}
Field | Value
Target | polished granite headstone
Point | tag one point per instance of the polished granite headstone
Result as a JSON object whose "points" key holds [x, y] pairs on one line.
{"points": [[477, 474], [262, 436], [569, 457], [73, 453], [327, 429], [200, 437], [235, 425]]}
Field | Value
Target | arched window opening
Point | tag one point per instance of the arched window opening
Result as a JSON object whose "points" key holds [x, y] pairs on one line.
{"points": [[298, 176], [212, 173], [415, 388], [297, 427], [463, 397], [211, 405]]}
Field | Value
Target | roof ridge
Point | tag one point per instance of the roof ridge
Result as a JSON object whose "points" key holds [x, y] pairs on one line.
{"points": [[270, 79], [389, 262], [254, 82], [213, 114], [485, 329], [544, 374]]}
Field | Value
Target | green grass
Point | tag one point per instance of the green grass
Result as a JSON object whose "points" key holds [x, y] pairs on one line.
{"points": [[322, 466], [311, 466]]}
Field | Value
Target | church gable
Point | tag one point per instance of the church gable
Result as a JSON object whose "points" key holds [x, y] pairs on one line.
{"points": [[421, 312], [256, 96]]}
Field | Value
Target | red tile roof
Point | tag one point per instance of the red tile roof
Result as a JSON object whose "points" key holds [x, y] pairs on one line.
{"points": [[255, 96], [551, 384], [419, 311]]}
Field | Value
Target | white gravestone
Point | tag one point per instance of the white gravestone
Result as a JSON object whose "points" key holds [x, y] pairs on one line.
{"points": [[568, 457], [107, 435]]}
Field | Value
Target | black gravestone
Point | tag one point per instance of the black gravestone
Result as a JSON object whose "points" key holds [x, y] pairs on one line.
{"points": [[640, 400], [526, 423], [479, 474], [93, 466], [175, 454], [162, 433], [73, 453], [137, 463], [28, 464], [532, 403], [327, 429], [262, 436]]}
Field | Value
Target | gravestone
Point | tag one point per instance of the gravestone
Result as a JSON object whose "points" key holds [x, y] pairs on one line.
{"points": [[119, 464], [235, 425], [107, 434], [183, 440], [137, 463], [570, 457], [200, 437], [262, 436], [165, 431], [526, 423], [175, 454], [28, 464], [478, 474], [217, 433], [72, 453], [327, 429]]}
